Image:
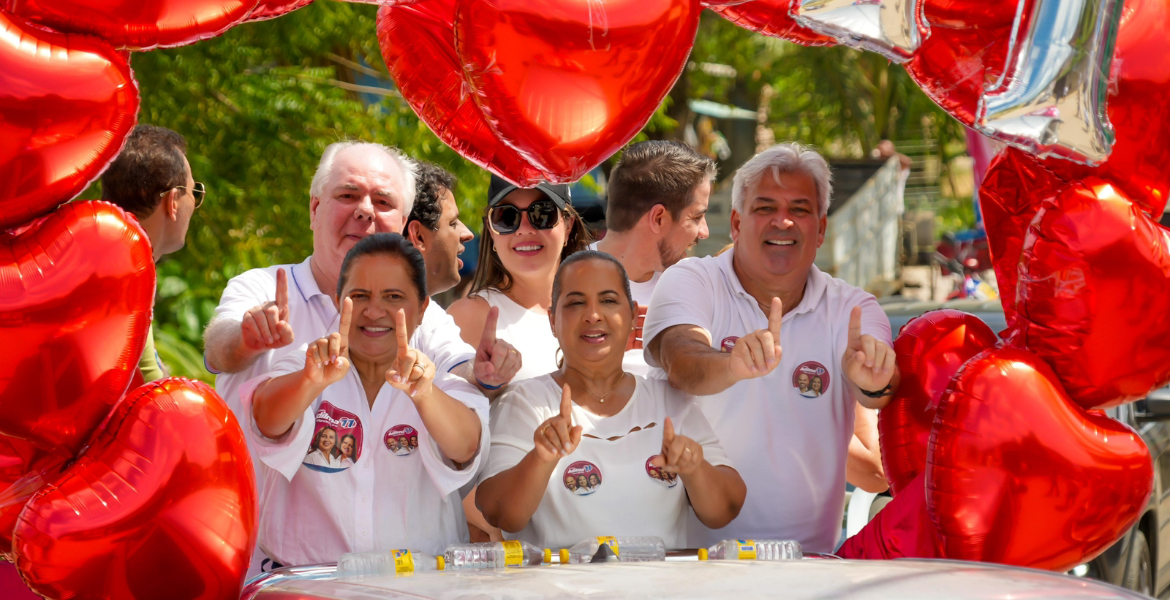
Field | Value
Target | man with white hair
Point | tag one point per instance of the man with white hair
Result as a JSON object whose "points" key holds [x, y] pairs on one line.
{"points": [[740, 329]]}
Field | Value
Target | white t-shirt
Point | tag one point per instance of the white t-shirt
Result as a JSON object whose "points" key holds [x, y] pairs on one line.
{"points": [[789, 448], [528, 331], [614, 490], [390, 495]]}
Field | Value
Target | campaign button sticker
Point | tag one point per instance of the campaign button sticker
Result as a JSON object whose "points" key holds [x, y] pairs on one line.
{"points": [[659, 475], [337, 440], [728, 343], [402, 440], [582, 478], [811, 379]]}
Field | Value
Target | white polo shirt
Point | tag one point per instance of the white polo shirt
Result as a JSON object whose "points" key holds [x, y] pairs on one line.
{"points": [[395, 490], [311, 312], [788, 441], [606, 486]]}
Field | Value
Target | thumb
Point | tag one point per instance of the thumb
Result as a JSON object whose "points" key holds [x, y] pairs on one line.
{"points": [[488, 338]]}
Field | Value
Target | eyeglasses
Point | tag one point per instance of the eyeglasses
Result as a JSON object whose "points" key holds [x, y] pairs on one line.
{"points": [[504, 219], [197, 192]]}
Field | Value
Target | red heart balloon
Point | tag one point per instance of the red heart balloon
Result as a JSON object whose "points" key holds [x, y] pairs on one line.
{"points": [[772, 18], [270, 9], [1091, 296], [76, 291], [418, 45], [67, 103], [930, 350], [1015, 186], [136, 24], [1139, 109], [567, 84], [902, 529], [967, 49], [1019, 474], [24, 469], [162, 504]]}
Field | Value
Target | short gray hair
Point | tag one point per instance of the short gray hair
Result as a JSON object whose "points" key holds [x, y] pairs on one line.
{"points": [[407, 165], [788, 158]]}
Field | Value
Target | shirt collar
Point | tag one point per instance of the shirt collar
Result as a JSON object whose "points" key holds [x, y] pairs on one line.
{"points": [[814, 287], [304, 283]]}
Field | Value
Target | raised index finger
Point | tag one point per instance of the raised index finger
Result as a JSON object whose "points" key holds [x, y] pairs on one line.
{"points": [[668, 432], [774, 318], [855, 328], [400, 332], [488, 339], [346, 319], [282, 293], [566, 403]]}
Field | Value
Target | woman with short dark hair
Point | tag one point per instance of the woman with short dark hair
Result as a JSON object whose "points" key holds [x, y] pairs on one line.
{"points": [[364, 382]]}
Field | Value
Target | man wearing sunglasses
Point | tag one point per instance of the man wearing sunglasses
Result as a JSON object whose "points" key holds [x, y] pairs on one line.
{"points": [[151, 179]]}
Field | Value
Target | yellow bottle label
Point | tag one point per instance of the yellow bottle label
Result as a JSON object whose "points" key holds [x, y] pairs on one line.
{"points": [[747, 549], [403, 562], [513, 553], [610, 541]]}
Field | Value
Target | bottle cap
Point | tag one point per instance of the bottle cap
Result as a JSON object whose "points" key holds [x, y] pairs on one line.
{"points": [[702, 554], [547, 556], [440, 563], [564, 556]]}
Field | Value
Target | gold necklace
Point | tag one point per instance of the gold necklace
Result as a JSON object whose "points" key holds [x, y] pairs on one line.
{"points": [[602, 397]]}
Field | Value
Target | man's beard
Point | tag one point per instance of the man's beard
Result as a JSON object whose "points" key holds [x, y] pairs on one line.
{"points": [[667, 257]]}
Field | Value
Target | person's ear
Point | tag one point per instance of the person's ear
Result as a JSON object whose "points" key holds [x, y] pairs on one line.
{"points": [[171, 204], [314, 203], [425, 303], [414, 235], [552, 321], [659, 218], [736, 221]]}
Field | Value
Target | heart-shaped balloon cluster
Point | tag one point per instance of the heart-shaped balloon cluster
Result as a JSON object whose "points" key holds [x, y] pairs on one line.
{"points": [[997, 462], [162, 504], [537, 90]]}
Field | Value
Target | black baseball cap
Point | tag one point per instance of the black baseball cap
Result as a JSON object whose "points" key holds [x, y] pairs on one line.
{"points": [[500, 187]]}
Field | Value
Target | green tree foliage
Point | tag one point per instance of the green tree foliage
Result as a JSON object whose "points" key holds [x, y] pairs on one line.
{"points": [[258, 105]]}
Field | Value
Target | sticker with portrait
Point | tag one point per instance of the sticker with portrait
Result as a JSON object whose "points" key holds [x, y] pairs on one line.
{"points": [[402, 440], [582, 478], [337, 440], [659, 475], [811, 379]]}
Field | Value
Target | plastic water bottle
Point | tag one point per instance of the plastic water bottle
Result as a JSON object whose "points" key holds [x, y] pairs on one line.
{"points": [[495, 555], [608, 548], [387, 562], [753, 550]]}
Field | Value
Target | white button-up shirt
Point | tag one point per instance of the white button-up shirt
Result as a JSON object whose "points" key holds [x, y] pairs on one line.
{"points": [[788, 440], [395, 490]]}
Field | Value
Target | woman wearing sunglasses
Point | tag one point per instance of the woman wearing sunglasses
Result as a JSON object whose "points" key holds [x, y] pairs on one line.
{"points": [[527, 232]]}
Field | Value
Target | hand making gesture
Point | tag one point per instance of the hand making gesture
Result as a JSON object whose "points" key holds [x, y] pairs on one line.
{"points": [[327, 359], [680, 454], [412, 372], [496, 361], [266, 326], [557, 437], [758, 353], [869, 362]]}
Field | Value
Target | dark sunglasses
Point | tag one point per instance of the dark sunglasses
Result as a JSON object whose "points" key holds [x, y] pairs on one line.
{"points": [[198, 191], [504, 219]]}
